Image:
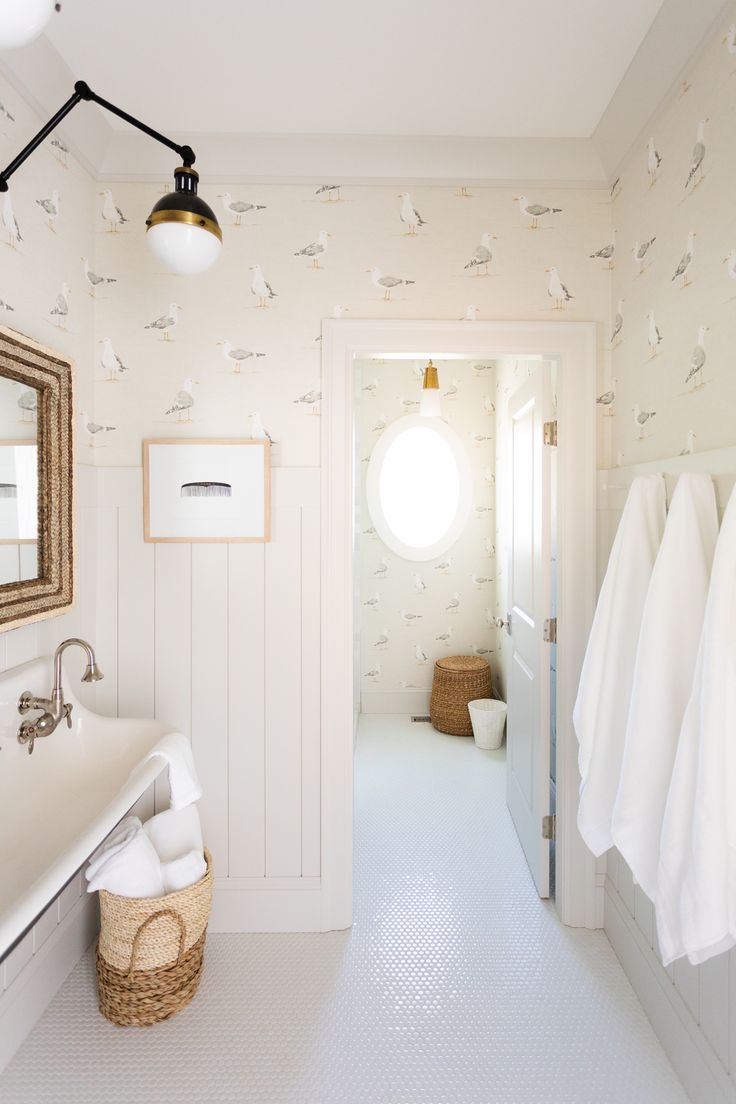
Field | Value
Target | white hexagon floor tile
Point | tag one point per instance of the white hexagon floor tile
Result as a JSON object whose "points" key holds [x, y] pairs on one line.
{"points": [[456, 984]]}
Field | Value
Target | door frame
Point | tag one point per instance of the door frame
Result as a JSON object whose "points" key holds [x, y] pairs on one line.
{"points": [[579, 896]]}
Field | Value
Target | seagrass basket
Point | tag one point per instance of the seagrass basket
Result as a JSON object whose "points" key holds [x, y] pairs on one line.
{"points": [[457, 681], [150, 952]]}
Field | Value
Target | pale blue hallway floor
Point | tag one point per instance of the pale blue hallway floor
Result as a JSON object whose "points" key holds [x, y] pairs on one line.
{"points": [[456, 985]]}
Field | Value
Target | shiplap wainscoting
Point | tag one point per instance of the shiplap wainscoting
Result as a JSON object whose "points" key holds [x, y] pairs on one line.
{"points": [[692, 1008], [222, 641]]}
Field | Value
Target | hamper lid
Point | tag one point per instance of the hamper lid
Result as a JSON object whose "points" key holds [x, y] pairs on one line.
{"points": [[462, 663]]}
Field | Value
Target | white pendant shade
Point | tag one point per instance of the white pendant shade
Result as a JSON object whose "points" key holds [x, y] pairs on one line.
{"points": [[184, 249], [23, 20]]}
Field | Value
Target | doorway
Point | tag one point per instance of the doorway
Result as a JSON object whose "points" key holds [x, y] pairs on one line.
{"points": [[571, 349]]}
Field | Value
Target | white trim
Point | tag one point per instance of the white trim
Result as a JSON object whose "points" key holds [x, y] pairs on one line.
{"points": [[695, 1061], [579, 900], [255, 905], [373, 496]]}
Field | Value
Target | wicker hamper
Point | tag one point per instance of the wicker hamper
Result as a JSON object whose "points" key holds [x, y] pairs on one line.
{"points": [[457, 681], [150, 952]]}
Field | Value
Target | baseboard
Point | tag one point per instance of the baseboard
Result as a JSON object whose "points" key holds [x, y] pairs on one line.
{"points": [[395, 701], [26, 1000], [266, 905], [695, 1061]]}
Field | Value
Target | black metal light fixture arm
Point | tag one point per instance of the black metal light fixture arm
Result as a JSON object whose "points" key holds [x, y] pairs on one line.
{"points": [[82, 91]]}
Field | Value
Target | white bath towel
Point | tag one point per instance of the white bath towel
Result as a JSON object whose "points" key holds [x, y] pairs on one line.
{"points": [[183, 871], [183, 781], [130, 868], [671, 625], [602, 705], [702, 866], [175, 832], [120, 837]]}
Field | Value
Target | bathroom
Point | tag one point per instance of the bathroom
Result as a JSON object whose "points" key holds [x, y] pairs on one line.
{"points": [[319, 959]]}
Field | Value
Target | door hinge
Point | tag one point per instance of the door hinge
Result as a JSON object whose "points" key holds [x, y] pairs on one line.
{"points": [[550, 433], [550, 630], [549, 827]]}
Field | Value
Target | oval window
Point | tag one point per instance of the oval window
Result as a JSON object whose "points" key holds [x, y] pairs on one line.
{"points": [[418, 487]]}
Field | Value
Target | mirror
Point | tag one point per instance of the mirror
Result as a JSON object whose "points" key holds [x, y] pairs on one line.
{"points": [[18, 482], [36, 481]]}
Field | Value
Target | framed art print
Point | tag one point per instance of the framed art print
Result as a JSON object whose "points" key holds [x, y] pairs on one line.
{"points": [[206, 490]]}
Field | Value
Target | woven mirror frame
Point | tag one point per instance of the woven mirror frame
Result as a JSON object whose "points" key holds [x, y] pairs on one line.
{"points": [[52, 592]]}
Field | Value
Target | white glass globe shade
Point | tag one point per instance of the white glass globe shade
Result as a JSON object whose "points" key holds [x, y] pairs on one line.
{"points": [[430, 405], [184, 249], [23, 20]]}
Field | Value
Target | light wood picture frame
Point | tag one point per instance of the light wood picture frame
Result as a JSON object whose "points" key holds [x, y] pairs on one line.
{"points": [[206, 490]]}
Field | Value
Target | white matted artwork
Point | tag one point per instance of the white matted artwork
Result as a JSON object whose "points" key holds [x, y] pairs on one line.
{"points": [[206, 490]]}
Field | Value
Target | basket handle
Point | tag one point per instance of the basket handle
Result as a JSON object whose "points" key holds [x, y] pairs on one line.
{"points": [[149, 920]]}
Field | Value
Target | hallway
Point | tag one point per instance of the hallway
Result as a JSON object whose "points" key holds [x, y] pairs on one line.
{"points": [[456, 985]]}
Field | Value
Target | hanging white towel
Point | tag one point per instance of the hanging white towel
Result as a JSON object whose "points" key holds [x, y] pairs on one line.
{"points": [[183, 781], [175, 832], [183, 871], [671, 625], [601, 709], [697, 868], [130, 867]]}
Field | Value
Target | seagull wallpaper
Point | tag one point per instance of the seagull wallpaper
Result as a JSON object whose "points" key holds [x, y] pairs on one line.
{"points": [[422, 611]]}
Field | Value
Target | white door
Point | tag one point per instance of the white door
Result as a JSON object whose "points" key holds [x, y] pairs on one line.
{"points": [[529, 583]]}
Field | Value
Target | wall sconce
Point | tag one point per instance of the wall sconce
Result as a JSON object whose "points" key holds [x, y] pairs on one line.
{"points": [[23, 20], [182, 229], [430, 405]]}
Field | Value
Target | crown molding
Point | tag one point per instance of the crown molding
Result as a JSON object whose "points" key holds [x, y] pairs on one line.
{"points": [[678, 34]]}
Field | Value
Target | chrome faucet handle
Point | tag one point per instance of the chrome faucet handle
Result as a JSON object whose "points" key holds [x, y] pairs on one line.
{"points": [[68, 713], [28, 701]]}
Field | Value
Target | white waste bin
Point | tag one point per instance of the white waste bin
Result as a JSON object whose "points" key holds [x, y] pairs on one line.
{"points": [[488, 717]]}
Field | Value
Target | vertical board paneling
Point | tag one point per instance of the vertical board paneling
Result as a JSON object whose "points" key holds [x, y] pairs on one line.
{"points": [[714, 1010], [310, 688], [173, 642], [644, 915], [210, 693], [283, 773], [22, 645], [106, 634], [9, 563], [687, 984], [626, 886], [136, 661], [246, 721]]}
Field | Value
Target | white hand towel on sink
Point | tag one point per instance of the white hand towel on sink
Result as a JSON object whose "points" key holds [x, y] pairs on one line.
{"points": [[130, 868], [663, 674], [696, 900], [183, 781], [602, 705], [183, 871], [175, 832]]}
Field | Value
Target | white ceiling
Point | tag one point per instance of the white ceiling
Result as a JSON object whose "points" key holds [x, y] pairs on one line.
{"points": [[496, 68], [409, 91]]}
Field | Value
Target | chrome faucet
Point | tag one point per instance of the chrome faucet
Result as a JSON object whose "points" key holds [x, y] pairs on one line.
{"points": [[54, 709]]}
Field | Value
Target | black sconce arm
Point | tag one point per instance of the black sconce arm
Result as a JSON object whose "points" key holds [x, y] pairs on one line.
{"points": [[82, 91]]}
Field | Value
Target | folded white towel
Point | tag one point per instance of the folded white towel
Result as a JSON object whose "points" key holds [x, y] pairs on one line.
{"points": [[175, 832], [119, 838], [183, 781], [698, 865], [183, 871], [663, 674], [130, 868], [602, 705]]}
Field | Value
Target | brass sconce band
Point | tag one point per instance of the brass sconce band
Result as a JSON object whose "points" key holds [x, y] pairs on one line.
{"points": [[431, 381], [188, 217]]}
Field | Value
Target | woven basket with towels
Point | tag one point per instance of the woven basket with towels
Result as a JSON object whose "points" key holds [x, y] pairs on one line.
{"points": [[457, 681], [150, 952]]}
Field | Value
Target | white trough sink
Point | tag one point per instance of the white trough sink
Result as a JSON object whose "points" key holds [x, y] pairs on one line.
{"points": [[58, 804]]}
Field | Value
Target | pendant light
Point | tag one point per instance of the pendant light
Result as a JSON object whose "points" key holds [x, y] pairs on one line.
{"points": [[429, 400], [182, 229], [23, 20]]}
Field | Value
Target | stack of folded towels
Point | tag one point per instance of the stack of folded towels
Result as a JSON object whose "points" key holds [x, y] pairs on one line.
{"points": [[148, 860]]}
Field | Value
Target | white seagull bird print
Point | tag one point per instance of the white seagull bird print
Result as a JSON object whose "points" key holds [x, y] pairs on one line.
{"points": [[641, 417], [94, 429], [166, 323], [110, 360], [93, 280], [695, 174], [482, 255], [653, 162], [260, 287], [535, 211], [606, 252], [410, 618], [111, 213], [556, 290], [237, 357], [686, 260], [409, 214], [654, 337], [51, 208], [10, 223], [315, 249], [387, 284], [618, 322], [60, 308], [697, 360], [640, 250], [239, 208], [184, 401]]}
